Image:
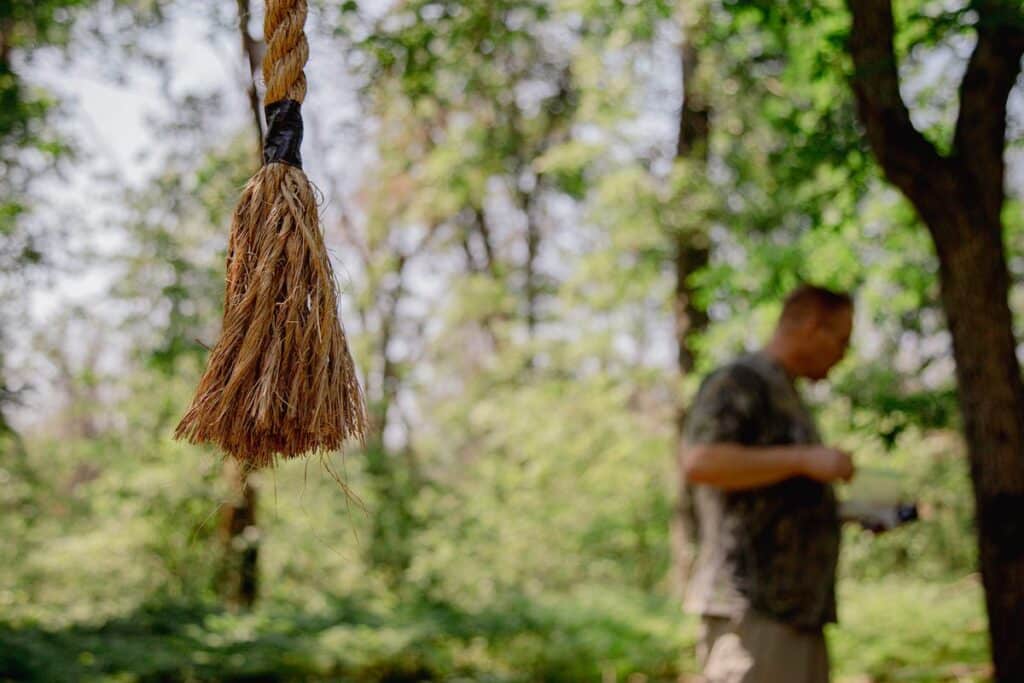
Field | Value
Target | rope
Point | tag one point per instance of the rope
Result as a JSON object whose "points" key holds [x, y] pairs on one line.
{"points": [[280, 381], [287, 50]]}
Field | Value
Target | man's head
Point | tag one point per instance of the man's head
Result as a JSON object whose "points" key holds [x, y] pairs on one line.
{"points": [[813, 332]]}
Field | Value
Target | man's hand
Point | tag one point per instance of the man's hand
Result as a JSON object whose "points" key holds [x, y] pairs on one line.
{"points": [[827, 464]]}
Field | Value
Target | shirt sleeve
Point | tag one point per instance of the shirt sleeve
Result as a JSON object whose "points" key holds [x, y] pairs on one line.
{"points": [[729, 408]]}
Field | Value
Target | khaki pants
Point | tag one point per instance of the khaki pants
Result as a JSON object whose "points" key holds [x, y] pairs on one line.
{"points": [[756, 649]]}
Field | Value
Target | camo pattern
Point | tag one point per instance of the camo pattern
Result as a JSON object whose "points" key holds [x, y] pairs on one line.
{"points": [[772, 548]]}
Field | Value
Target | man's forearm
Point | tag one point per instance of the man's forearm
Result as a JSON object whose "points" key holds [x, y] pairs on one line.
{"points": [[735, 467]]}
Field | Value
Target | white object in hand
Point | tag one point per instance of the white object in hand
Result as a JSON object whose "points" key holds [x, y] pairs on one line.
{"points": [[877, 516], [876, 485]]}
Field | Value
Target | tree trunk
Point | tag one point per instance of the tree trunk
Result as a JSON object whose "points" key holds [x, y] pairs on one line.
{"points": [[239, 576], [694, 129], [960, 198], [974, 295]]}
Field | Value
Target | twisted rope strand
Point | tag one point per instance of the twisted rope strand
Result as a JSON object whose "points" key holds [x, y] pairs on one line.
{"points": [[287, 50]]}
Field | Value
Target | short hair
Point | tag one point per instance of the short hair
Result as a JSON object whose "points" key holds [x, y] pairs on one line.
{"points": [[808, 299]]}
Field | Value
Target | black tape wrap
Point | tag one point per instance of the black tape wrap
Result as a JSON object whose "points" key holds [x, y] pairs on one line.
{"points": [[284, 133]]}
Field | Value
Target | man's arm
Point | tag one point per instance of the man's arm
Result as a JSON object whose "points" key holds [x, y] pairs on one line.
{"points": [[730, 409], [733, 467]]}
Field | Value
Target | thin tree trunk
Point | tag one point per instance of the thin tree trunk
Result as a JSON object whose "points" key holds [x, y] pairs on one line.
{"points": [[694, 129], [393, 476], [482, 228], [532, 249], [240, 548], [239, 584], [252, 49]]}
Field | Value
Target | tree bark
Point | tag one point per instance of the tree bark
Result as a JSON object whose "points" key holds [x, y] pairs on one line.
{"points": [[689, 256], [960, 198], [974, 295]]}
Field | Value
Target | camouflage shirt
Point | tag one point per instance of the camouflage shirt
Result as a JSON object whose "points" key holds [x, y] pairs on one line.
{"points": [[771, 548]]}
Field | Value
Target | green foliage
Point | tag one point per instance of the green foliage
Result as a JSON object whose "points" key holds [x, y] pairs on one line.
{"points": [[27, 25], [894, 630], [541, 555], [938, 546], [176, 229], [24, 112], [575, 638], [511, 247]]}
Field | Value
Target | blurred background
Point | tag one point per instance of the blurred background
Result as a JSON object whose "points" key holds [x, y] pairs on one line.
{"points": [[548, 219]]}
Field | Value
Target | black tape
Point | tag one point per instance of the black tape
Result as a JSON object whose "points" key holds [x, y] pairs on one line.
{"points": [[284, 133]]}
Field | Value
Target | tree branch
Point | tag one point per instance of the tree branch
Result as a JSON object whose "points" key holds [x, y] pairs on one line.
{"points": [[980, 136], [906, 157], [484, 230], [252, 49], [695, 116]]}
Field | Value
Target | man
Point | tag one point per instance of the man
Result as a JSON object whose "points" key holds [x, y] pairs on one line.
{"points": [[764, 580]]}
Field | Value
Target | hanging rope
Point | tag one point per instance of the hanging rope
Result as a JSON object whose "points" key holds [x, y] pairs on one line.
{"points": [[287, 50], [280, 381]]}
